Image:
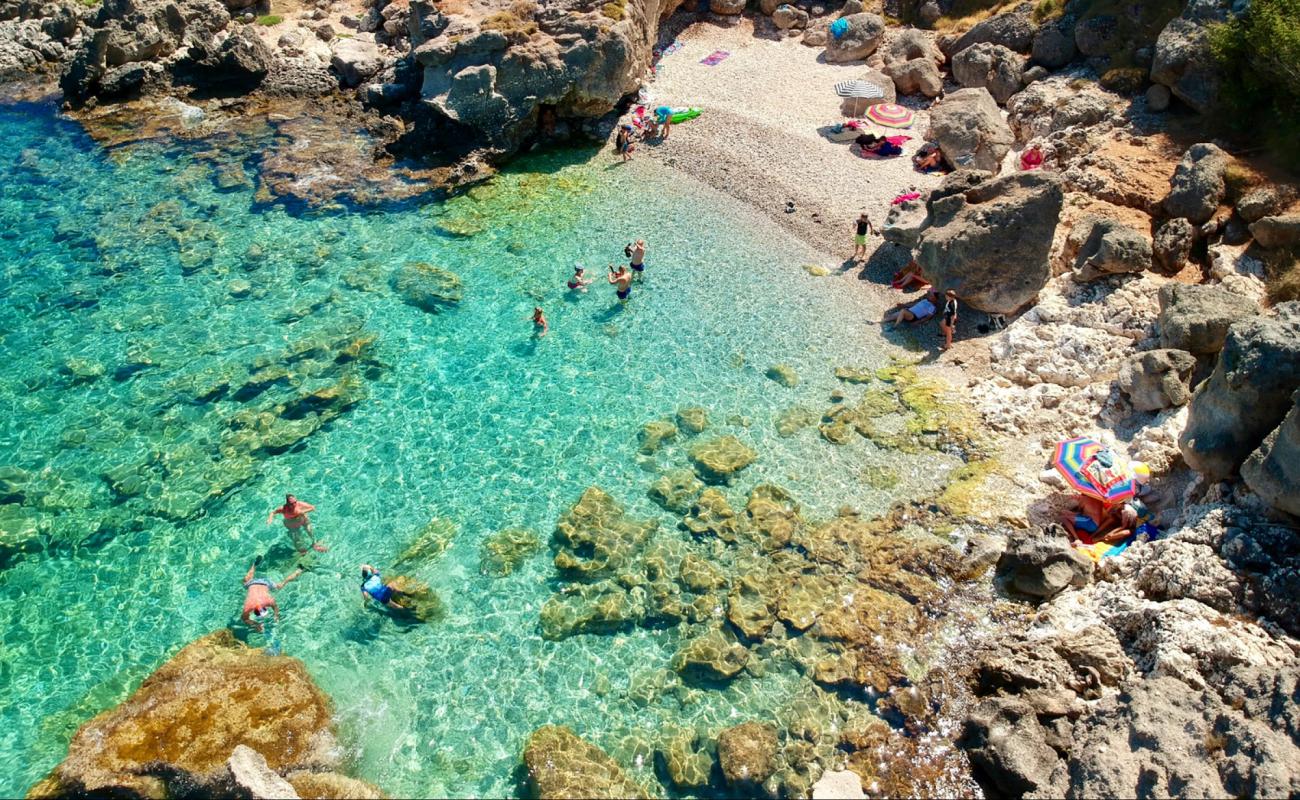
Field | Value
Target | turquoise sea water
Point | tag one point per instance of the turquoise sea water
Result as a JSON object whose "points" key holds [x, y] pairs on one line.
{"points": [[119, 311]]}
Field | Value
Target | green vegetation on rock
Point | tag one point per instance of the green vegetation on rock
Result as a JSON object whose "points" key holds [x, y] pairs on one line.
{"points": [[1259, 55], [269, 19]]}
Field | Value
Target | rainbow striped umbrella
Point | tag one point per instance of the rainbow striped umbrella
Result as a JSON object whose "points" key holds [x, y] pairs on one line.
{"points": [[1092, 469], [891, 115]]}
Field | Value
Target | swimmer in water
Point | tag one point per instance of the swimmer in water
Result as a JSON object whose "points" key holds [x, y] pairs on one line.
{"points": [[579, 282], [540, 326], [374, 588], [621, 278], [295, 519], [258, 602]]}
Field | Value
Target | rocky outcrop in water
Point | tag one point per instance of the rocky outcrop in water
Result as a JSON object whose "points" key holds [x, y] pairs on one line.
{"points": [[204, 709], [38, 36], [561, 764], [963, 247]]}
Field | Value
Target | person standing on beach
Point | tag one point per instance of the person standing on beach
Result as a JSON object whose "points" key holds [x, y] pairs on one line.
{"points": [[861, 226], [623, 142], [540, 325], [949, 321], [258, 602], [295, 519], [636, 252], [621, 278]]}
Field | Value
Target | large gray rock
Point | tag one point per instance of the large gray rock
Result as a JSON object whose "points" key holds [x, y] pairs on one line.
{"points": [[918, 76], [1013, 29], [909, 44], [1183, 60], [1053, 45], [1196, 318], [787, 17], [1041, 563], [991, 66], [1197, 186], [857, 42], [1273, 470], [1157, 379], [1107, 247], [1262, 201], [1247, 395], [727, 7], [990, 243], [1172, 244], [1277, 232], [1006, 746], [356, 59], [970, 130], [244, 59]]}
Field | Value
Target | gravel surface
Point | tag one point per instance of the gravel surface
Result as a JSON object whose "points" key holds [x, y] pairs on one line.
{"points": [[758, 137]]}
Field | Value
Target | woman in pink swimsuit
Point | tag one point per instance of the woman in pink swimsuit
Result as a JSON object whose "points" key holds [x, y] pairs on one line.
{"points": [[295, 519]]}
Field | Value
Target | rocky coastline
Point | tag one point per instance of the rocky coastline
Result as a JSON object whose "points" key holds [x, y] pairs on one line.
{"points": [[1138, 302]]}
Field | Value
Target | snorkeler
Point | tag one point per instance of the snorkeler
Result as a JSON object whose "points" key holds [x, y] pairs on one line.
{"points": [[295, 519], [258, 602], [622, 279], [540, 325], [579, 282], [374, 588], [636, 252]]}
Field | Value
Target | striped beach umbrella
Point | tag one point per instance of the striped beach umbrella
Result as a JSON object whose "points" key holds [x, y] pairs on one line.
{"points": [[891, 115], [1092, 469], [859, 88]]}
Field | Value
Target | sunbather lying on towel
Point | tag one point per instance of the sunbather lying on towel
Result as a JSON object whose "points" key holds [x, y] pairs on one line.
{"points": [[878, 145], [919, 311]]}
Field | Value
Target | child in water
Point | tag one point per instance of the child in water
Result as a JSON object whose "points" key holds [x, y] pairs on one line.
{"points": [[579, 282], [540, 326]]}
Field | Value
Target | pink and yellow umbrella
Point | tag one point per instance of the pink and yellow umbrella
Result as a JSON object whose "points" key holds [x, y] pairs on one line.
{"points": [[891, 115]]}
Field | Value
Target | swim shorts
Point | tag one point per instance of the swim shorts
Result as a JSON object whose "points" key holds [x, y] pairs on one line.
{"points": [[860, 238]]}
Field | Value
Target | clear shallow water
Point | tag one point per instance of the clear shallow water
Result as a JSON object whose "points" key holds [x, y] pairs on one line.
{"points": [[114, 307]]}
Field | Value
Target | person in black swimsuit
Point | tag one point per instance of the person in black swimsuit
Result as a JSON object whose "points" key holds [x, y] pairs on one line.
{"points": [[949, 321], [861, 227]]}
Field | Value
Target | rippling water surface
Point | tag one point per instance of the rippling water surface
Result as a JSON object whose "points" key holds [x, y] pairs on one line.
{"points": [[133, 287]]}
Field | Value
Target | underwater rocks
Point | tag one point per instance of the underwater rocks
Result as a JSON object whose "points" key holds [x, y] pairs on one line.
{"points": [[421, 603], [717, 460], [504, 551], [794, 419], [655, 434], [748, 754], [429, 543], [783, 374], [427, 287], [711, 656], [676, 490], [692, 419], [561, 764], [183, 723], [596, 538]]}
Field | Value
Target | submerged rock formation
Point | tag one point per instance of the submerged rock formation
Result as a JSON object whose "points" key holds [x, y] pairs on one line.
{"points": [[212, 701], [561, 765]]}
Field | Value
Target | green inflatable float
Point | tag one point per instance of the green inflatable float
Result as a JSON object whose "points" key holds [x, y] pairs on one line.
{"points": [[676, 115]]}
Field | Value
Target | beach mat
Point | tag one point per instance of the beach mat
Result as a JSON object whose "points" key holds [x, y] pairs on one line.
{"points": [[715, 58]]}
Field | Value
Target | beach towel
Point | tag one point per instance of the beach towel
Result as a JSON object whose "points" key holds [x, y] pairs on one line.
{"points": [[715, 58], [839, 26], [1099, 550], [905, 197], [669, 49]]}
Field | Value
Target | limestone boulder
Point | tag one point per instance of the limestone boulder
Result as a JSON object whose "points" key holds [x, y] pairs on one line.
{"points": [[970, 131], [727, 8], [1196, 318], [788, 17], [918, 76], [356, 59], [251, 776], [840, 784], [1197, 186], [560, 764], [1172, 244], [187, 718], [990, 244], [1157, 379], [1053, 46], [1053, 105], [1247, 395], [1108, 247], [1262, 201], [859, 40], [991, 66], [748, 754], [1007, 747], [909, 44], [1013, 30], [1042, 564], [1278, 232], [1273, 470], [1183, 60]]}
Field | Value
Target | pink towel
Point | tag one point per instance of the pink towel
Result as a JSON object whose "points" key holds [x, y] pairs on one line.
{"points": [[715, 57], [903, 198]]}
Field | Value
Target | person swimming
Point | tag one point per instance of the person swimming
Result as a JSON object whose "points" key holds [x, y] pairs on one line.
{"points": [[540, 325], [622, 279], [258, 600], [374, 588], [579, 282], [295, 519]]}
